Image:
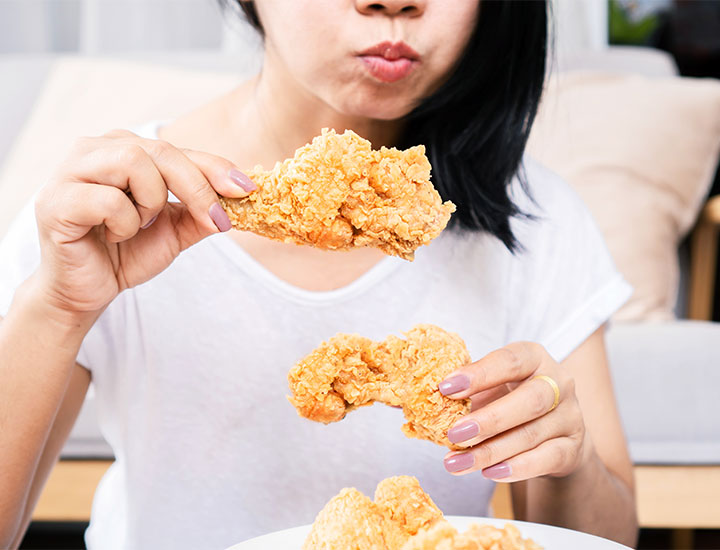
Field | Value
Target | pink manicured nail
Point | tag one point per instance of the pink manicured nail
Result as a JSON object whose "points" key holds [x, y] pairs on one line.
{"points": [[463, 432], [454, 384], [238, 178], [220, 217], [459, 462], [148, 224], [498, 471]]}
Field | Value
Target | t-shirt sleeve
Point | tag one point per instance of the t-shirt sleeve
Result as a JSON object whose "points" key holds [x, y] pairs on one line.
{"points": [[565, 282], [19, 255]]}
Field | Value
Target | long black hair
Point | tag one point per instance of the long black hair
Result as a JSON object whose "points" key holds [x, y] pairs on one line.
{"points": [[476, 125]]}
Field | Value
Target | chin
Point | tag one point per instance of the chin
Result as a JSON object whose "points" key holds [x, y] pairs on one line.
{"points": [[387, 108]]}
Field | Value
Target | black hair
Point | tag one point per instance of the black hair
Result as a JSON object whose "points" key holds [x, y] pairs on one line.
{"points": [[476, 125]]}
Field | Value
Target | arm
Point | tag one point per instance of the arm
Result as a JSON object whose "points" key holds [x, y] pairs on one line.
{"points": [[38, 373], [563, 451], [104, 225], [59, 432], [598, 497]]}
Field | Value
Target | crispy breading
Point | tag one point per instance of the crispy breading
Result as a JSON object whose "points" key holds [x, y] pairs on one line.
{"points": [[402, 517], [350, 371], [352, 521], [443, 536], [403, 501], [338, 193]]}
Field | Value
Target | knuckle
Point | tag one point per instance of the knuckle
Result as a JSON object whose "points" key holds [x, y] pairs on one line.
{"points": [[538, 403], [115, 201], [530, 434], [512, 360], [133, 155], [161, 149], [83, 145], [119, 133], [569, 385], [488, 422], [559, 455], [43, 200], [485, 455], [535, 349]]}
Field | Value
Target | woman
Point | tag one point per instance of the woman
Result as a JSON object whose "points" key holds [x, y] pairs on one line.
{"points": [[189, 360]]}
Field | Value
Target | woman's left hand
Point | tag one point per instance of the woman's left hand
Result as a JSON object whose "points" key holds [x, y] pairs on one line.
{"points": [[521, 424]]}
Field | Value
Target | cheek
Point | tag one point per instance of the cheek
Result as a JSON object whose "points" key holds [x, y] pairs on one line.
{"points": [[458, 25]]}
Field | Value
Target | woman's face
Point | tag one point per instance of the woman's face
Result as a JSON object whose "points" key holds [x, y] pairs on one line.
{"points": [[370, 59]]}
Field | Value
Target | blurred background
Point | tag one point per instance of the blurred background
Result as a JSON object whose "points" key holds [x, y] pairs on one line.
{"points": [[631, 120]]}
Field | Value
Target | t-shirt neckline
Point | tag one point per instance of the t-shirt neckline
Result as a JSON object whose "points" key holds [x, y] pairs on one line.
{"points": [[259, 272]]}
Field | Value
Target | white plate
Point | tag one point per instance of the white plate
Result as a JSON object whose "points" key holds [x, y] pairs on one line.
{"points": [[551, 538]]}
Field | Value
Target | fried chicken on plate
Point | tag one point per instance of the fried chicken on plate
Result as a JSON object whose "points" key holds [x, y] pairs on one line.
{"points": [[338, 193], [350, 371], [402, 517]]}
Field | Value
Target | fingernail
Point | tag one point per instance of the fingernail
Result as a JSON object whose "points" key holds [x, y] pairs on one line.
{"points": [[459, 462], [220, 217], [498, 471], [242, 180], [454, 384], [463, 432], [148, 224]]}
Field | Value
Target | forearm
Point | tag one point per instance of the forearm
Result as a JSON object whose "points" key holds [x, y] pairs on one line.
{"points": [[592, 500], [38, 347]]}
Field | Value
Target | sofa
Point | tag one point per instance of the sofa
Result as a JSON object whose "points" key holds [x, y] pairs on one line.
{"points": [[665, 369]]}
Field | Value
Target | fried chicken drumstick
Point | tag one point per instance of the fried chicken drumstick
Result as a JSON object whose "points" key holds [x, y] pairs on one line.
{"points": [[338, 193], [402, 517], [349, 371]]}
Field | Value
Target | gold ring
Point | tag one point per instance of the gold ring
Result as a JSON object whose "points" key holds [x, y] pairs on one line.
{"points": [[553, 385]]}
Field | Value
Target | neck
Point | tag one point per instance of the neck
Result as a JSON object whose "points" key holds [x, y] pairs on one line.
{"points": [[286, 116]]}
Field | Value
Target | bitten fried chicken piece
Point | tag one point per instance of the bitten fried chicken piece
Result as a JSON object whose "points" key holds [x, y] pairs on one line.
{"points": [[352, 521], [402, 517], [350, 371], [338, 193]]}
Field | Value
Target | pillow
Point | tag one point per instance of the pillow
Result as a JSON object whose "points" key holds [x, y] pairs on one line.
{"points": [[89, 96], [642, 153]]}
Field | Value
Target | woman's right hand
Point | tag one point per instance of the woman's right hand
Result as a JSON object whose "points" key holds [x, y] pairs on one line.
{"points": [[105, 223]]}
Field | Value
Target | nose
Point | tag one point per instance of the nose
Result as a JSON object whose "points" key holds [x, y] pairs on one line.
{"points": [[411, 8]]}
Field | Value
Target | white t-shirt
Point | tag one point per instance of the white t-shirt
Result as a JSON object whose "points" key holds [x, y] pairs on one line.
{"points": [[190, 369]]}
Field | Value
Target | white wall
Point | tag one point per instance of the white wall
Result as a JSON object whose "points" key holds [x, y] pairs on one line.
{"points": [[99, 26], [110, 26]]}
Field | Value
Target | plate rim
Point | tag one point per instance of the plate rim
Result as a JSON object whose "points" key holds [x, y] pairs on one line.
{"points": [[463, 520]]}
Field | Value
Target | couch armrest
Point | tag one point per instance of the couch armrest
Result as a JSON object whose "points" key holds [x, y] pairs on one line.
{"points": [[703, 261]]}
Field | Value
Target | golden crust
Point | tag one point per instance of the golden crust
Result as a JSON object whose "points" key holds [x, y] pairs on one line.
{"points": [[402, 517], [350, 371], [338, 193], [443, 536]]}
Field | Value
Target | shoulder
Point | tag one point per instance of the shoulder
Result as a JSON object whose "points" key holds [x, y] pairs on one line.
{"points": [[547, 194], [551, 209]]}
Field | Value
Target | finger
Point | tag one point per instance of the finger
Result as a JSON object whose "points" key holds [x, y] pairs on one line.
{"points": [[510, 443], [512, 363], [483, 398], [128, 167], [185, 180], [530, 400], [555, 457], [222, 174], [85, 206]]}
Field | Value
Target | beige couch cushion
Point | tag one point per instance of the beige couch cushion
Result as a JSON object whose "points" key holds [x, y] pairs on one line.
{"points": [[642, 153], [85, 97]]}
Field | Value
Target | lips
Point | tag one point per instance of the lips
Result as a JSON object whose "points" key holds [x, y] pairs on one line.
{"points": [[390, 61]]}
